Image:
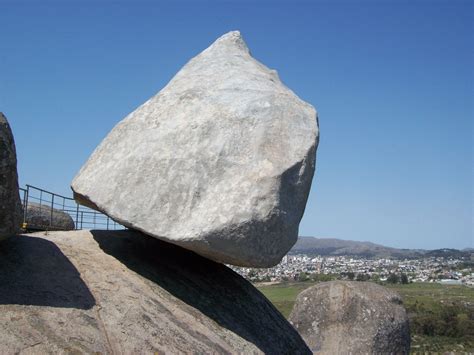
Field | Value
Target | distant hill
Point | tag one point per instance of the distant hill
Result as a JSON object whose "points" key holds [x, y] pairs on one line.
{"points": [[450, 253], [332, 246]]}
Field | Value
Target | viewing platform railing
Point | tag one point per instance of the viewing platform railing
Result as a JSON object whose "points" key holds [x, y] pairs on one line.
{"points": [[50, 205]]}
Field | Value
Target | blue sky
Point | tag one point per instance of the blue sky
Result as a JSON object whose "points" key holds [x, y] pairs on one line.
{"points": [[392, 82]]}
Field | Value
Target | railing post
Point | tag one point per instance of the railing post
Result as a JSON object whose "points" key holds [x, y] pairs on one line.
{"points": [[25, 204], [77, 216], [52, 211]]}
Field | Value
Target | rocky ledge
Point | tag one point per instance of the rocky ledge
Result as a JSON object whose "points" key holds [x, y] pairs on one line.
{"points": [[125, 292]]}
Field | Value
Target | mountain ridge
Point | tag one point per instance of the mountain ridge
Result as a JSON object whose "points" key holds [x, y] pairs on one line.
{"points": [[338, 247]]}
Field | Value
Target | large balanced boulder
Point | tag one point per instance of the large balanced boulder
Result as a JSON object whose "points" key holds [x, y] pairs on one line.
{"points": [[220, 161], [44, 217], [122, 292], [344, 317], [10, 205]]}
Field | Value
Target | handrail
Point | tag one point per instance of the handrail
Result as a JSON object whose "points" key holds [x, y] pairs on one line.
{"points": [[82, 217], [49, 192]]}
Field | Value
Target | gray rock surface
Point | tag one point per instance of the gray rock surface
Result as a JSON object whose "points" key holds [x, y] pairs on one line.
{"points": [[344, 317], [220, 161], [10, 205], [123, 292], [39, 217]]}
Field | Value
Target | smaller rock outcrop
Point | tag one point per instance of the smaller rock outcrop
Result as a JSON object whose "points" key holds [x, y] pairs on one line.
{"points": [[10, 205], [43, 217], [343, 317]]}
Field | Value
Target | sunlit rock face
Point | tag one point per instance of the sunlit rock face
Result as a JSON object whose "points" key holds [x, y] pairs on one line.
{"points": [[220, 161], [10, 205], [344, 317], [122, 292]]}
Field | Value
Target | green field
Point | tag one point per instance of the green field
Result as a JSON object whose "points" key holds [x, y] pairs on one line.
{"points": [[283, 295], [441, 316]]}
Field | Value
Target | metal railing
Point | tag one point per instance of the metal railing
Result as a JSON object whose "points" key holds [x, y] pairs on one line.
{"points": [[46, 210]]}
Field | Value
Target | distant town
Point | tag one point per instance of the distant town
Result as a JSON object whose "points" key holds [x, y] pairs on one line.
{"points": [[301, 267]]}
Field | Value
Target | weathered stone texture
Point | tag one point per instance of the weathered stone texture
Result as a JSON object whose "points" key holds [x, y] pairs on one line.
{"points": [[10, 205], [343, 317], [220, 161], [123, 292]]}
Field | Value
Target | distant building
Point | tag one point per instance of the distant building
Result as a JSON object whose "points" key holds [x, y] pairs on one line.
{"points": [[450, 282]]}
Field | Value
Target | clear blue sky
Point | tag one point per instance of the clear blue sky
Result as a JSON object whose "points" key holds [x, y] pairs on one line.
{"points": [[392, 82]]}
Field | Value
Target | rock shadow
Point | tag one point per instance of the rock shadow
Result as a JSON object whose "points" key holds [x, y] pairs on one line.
{"points": [[34, 271], [210, 287]]}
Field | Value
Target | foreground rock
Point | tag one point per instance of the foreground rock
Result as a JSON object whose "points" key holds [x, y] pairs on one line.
{"points": [[220, 161], [10, 205], [40, 217], [351, 318], [125, 293]]}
